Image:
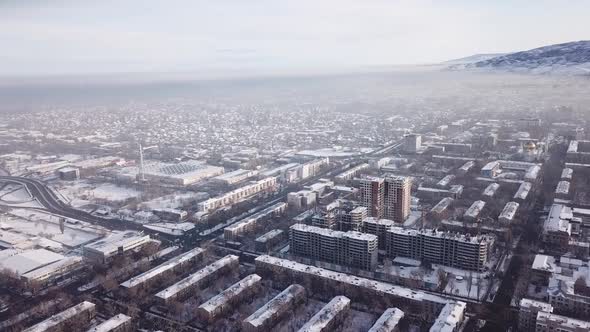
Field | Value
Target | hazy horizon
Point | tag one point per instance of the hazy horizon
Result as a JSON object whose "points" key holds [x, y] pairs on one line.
{"points": [[229, 38]]}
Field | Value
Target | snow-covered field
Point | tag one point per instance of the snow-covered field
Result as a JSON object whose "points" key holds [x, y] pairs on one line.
{"points": [[173, 201], [83, 193], [33, 223]]}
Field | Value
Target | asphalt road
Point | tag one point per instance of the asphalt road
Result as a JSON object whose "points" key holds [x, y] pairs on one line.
{"points": [[53, 204]]}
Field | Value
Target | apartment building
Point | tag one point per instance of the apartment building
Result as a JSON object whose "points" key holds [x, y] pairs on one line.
{"points": [[351, 248], [446, 248]]}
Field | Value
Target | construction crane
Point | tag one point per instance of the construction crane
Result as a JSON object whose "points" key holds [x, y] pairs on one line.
{"points": [[141, 174]]}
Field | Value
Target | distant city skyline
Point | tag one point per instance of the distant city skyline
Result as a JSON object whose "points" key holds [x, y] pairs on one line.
{"points": [[66, 37]]}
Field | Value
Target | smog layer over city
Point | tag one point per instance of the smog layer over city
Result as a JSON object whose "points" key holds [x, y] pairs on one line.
{"points": [[294, 166]]}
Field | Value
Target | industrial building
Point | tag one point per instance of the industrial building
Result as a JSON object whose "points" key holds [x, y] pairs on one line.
{"points": [[388, 321], [224, 301], [329, 316], [183, 289], [180, 174], [81, 314], [351, 248], [38, 265], [233, 177], [159, 272], [268, 315], [437, 247], [238, 195], [69, 173], [114, 244]]}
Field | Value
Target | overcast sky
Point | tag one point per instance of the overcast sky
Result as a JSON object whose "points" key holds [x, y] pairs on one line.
{"points": [[110, 36]]}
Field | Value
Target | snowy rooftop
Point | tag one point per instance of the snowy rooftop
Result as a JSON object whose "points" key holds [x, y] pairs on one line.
{"points": [[269, 235], [373, 220], [54, 320], [563, 187], [52, 268], [112, 242], [442, 205], [22, 262], [222, 298], [573, 147], [491, 189], [322, 318], [333, 233], [557, 220], [523, 191], [377, 286], [545, 263], [111, 324], [571, 323], [442, 234], [446, 180], [532, 173], [388, 320], [271, 308], [490, 166], [197, 276], [567, 173], [543, 306], [236, 173], [509, 210], [166, 266], [450, 317], [467, 166], [475, 209]]}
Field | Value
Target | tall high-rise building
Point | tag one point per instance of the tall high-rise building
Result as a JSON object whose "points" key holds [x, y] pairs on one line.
{"points": [[387, 197], [412, 143], [372, 190], [397, 198]]}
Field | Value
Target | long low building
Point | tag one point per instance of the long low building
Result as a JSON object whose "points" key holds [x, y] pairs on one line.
{"points": [[242, 227], [237, 195], [183, 288], [474, 210], [388, 321], [268, 315], [114, 244], [329, 316], [78, 315], [508, 213], [118, 323], [222, 302], [523, 191], [377, 294], [163, 269]]}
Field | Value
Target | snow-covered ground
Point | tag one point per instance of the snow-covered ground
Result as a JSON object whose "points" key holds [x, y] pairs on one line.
{"points": [[173, 201], [34, 223], [81, 193]]}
